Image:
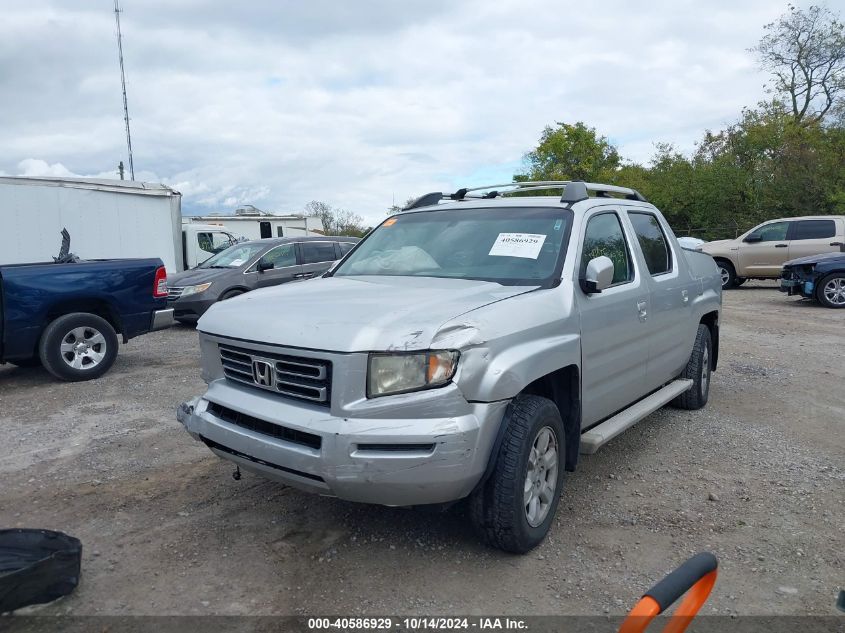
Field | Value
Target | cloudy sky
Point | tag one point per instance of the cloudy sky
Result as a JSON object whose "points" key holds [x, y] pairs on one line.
{"points": [[278, 102]]}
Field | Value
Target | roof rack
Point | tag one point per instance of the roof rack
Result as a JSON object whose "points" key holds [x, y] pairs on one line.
{"points": [[573, 191]]}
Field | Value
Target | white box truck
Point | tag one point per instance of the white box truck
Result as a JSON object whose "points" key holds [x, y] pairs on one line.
{"points": [[105, 218], [264, 225]]}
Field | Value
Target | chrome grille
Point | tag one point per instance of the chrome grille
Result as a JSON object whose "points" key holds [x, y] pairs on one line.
{"points": [[174, 292], [291, 376]]}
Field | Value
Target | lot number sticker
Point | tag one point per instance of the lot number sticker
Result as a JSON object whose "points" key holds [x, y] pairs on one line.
{"points": [[525, 245]]}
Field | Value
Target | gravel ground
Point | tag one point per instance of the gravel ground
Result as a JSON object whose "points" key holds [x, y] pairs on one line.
{"points": [[756, 477]]}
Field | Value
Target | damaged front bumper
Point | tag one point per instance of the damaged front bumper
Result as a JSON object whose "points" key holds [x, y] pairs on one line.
{"points": [[798, 281], [395, 462]]}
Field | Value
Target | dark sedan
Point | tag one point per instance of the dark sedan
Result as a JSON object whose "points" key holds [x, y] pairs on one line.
{"points": [[250, 265], [819, 277]]}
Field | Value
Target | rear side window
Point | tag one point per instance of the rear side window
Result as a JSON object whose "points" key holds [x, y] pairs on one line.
{"points": [[814, 229], [658, 257], [314, 252], [345, 247], [604, 236]]}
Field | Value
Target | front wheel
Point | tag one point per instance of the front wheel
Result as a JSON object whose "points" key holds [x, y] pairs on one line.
{"points": [[727, 274], [831, 291], [78, 346], [515, 507], [697, 370], [231, 294]]}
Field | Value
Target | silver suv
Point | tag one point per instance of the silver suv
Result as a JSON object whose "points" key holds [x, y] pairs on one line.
{"points": [[469, 347]]}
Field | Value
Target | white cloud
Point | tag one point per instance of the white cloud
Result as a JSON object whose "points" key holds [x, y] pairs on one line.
{"points": [[278, 103], [36, 167]]}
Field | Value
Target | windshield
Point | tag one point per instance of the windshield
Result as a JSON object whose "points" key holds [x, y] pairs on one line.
{"points": [[234, 256], [507, 245]]}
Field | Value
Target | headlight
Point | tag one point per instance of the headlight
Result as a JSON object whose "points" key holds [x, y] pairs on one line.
{"points": [[400, 373], [192, 290]]}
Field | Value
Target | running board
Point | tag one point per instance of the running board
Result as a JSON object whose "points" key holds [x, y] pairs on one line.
{"points": [[598, 436]]}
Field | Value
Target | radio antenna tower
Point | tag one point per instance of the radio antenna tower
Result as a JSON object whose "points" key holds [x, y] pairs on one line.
{"points": [[117, 11]]}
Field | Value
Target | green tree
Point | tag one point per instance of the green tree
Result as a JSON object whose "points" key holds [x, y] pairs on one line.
{"points": [[781, 158], [570, 152]]}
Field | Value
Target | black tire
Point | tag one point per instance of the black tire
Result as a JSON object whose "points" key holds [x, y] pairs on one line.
{"points": [[26, 362], [697, 370], [61, 331], [229, 294], [820, 290], [728, 274], [497, 509], [739, 281]]}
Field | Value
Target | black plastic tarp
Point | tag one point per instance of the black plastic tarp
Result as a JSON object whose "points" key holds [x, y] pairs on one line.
{"points": [[37, 566]]}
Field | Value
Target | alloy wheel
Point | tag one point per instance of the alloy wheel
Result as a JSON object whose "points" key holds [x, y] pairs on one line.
{"points": [[83, 348], [541, 477], [834, 291]]}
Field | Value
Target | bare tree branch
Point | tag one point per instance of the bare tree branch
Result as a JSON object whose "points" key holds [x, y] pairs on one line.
{"points": [[805, 52], [336, 221]]}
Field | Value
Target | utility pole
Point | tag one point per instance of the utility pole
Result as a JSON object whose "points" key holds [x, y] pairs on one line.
{"points": [[123, 86]]}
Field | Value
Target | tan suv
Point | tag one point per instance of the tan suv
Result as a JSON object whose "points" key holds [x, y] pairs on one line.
{"points": [[761, 252]]}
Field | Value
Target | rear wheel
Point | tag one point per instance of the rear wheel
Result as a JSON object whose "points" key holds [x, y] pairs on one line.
{"points": [[831, 291], [515, 507], [697, 370], [740, 280], [78, 346], [727, 273]]}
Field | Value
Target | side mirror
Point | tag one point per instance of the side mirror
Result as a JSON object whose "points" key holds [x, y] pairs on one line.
{"points": [[265, 264], [754, 237], [598, 276]]}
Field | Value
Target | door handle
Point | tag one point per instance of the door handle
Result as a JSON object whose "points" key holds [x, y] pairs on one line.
{"points": [[780, 245], [642, 310], [836, 243], [300, 275]]}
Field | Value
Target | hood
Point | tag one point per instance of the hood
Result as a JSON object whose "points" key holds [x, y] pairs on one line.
{"points": [[815, 259], [352, 314], [717, 244], [196, 276]]}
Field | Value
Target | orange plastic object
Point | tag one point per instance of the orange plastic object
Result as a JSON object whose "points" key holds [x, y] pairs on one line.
{"points": [[640, 616], [692, 602], [647, 608]]}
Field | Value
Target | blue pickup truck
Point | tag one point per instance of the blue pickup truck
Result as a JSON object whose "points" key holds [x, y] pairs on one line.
{"points": [[67, 316]]}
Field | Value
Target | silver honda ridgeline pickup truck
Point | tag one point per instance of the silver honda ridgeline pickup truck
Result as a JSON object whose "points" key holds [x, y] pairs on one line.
{"points": [[469, 347]]}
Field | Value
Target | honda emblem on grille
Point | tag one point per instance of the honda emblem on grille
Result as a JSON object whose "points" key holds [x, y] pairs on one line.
{"points": [[262, 373]]}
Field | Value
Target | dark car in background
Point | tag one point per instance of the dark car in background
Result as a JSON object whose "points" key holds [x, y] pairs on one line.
{"points": [[818, 277], [250, 265]]}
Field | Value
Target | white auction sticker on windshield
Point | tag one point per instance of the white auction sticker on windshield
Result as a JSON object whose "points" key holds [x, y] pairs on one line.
{"points": [[526, 245], [237, 262]]}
